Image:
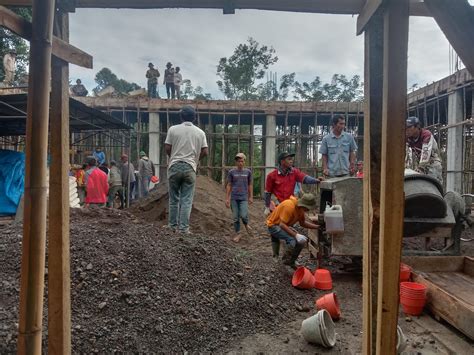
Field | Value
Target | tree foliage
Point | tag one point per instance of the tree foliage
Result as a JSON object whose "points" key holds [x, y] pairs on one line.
{"points": [[238, 73], [105, 77], [9, 40], [197, 93]]}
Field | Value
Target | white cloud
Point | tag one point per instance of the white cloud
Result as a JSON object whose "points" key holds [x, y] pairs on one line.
{"points": [[308, 44]]}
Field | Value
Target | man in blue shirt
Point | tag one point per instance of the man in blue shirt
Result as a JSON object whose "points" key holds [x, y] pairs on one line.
{"points": [[99, 156], [338, 150]]}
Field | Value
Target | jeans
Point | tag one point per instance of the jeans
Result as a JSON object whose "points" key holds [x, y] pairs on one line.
{"points": [[181, 184], [177, 89], [144, 185], [279, 234], [114, 190], [170, 90], [152, 90], [129, 193], [240, 209]]}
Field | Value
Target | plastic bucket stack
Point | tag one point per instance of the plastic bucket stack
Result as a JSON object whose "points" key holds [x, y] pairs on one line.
{"points": [[412, 297], [405, 272], [330, 303], [302, 278], [319, 329], [323, 280]]}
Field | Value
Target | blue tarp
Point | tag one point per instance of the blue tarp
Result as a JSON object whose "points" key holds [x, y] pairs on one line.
{"points": [[12, 180]]}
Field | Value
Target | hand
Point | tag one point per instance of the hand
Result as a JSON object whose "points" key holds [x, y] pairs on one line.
{"points": [[227, 203], [326, 172], [300, 238], [352, 169], [266, 211], [321, 178], [250, 200]]}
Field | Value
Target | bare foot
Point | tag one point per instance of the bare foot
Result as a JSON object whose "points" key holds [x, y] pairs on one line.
{"points": [[248, 229], [237, 237]]}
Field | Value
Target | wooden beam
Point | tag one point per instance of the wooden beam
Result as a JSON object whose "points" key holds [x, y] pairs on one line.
{"points": [[348, 7], [392, 177], [61, 49], [59, 292], [373, 82], [456, 20], [35, 197], [369, 9]]}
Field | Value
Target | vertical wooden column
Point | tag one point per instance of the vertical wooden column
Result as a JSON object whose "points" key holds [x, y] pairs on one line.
{"points": [[34, 225], [372, 158], [392, 177], [59, 289]]}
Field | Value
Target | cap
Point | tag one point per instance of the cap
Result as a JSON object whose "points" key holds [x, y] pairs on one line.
{"points": [[240, 156], [142, 153], [412, 121], [150, 64], [124, 156], [308, 201], [187, 111], [285, 155]]}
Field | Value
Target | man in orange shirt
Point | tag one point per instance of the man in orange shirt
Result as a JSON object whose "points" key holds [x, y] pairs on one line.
{"points": [[279, 225]]}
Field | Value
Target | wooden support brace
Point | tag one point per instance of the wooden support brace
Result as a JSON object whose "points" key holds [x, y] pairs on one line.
{"points": [[60, 48]]}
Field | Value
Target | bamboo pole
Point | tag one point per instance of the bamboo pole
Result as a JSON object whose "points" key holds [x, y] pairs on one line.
{"points": [[35, 198], [59, 290]]}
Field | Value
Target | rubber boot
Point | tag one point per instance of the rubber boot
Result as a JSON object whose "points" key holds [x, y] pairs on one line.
{"points": [[276, 250], [287, 256], [294, 256]]}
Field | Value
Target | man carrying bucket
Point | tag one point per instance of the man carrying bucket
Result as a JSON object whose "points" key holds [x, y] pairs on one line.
{"points": [[282, 181], [279, 225]]}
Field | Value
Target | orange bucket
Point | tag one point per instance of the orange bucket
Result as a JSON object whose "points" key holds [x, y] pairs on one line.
{"points": [[302, 278], [405, 272], [330, 303], [323, 279]]}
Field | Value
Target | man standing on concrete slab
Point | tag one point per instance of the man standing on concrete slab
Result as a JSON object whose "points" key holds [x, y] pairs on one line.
{"points": [[178, 79], [168, 80], [146, 169], [185, 145], [239, 194], [79, 89], [127, 171], [422, 150], [152, 76], [338, 150], [115, 185], [281, 182], [280, 224]]}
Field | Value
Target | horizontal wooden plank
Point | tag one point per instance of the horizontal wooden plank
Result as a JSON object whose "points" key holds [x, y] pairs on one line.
{"points": [[435, 263], [60, 48], [369, 9]]}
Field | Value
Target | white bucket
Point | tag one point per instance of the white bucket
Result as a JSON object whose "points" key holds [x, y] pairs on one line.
{"points": [[333, 219], [319, 329]]}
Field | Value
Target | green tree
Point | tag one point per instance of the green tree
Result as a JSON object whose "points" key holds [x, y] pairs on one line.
{"points": [[340, 89], [239, 72], [105, 77], [9, 40], [197, 93]]}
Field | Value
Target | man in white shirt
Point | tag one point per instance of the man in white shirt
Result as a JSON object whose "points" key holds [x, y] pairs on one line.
{"points": [[185, 145], [177, 82]]}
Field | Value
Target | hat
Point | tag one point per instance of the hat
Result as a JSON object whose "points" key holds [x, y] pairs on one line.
{"points": [[169, 64], [284, 155], [142, 153], [90, 160], [240, 156], [150, 64], [412, 121], [124, 156], [308, 201]]}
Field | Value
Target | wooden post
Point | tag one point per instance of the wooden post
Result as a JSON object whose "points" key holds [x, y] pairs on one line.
{"points": [[372, 157], [392, 177], [59, 292], [35, 199]]}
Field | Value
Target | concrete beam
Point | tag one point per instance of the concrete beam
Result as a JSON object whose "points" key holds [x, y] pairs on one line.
{"points": [[154, 144], [454, 163], [270, 143]]}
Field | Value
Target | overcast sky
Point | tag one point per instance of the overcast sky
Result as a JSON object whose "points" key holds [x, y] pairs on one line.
{"points": [[308, 44]]}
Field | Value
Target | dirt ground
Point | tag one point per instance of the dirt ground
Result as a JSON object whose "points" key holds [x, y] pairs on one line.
{"points": [[137, 287]]}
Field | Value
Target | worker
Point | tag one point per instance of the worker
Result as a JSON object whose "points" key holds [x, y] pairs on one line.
{"points": [[104, 168], [239, 194], [9, 68], [281, 182], [178, 79], [360, 170], [422, 150], [146, 169], [338, 150], [168, 80], [185, 145], [152, 76], [280, 223], [97, 186], [127, 171], [81, 183], [99, 155], [115, 185], [79, 89]]}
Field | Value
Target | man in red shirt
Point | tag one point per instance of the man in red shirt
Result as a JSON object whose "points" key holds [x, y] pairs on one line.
{"points": [[281, 181], [97, 186]]}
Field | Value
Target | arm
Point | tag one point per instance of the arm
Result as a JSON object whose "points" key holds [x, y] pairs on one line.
{"points": [[311, 180], [288, 230], [268, 190], [325, 165], [204, 152], [227, 195], [250, 188], [152, 167], [309, 225], [352, 158], [168, 149]]}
